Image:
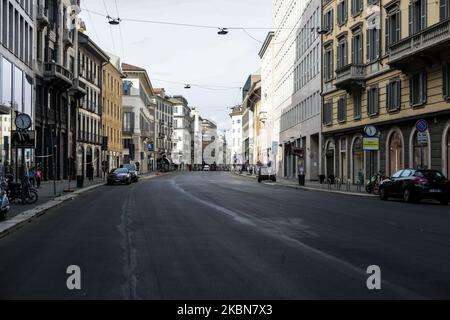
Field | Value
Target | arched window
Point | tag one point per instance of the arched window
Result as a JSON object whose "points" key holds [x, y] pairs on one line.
{"points": [[420, 152], [395, 153]]}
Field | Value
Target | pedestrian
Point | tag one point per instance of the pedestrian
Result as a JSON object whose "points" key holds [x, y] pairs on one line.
{"points": [[31, 176], [38, 177], [2, 169], [90, 172]]}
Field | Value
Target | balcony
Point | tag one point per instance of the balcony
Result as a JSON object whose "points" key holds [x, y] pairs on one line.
{"points": [[421, 48], [42, 17], [54, 72], [89, 137], [351, 77], [78, 88], [68, 38]]}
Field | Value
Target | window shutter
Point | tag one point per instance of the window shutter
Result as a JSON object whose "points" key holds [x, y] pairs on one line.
{"points": [[424, 87], [325, 66], [368, 44], [377, 97], [386, 34], [331, 20], [411, 90], [345, 10], [445, 79], [388, 97], [410, 19], [132, 121], [377, 43], [353, 50], [345, 48], [360, 48], [339, 55], [443, 9], [423, 18], [398, 22], [399, 94]]}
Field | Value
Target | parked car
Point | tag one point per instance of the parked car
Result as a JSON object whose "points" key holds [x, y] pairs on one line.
{"points": [[120, 175], [133, 171], [415, 184], [265, 173], [206, 168]]}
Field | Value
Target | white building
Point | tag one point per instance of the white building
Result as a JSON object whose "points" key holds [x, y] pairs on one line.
{"points": [[296, 83], [181, 151], [197, 138], [236, 134], [138, 118]]}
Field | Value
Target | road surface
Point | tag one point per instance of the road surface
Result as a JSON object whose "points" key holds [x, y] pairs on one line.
{"points": [[213, 235]]}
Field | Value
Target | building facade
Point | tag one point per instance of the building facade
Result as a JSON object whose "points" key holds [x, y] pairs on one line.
{"points": [[385, 63], [17, 34], [237, 154], [181, 152], [163, 128], [112, 113], [58, 88], [210, 142], [196, 138], [138, 131], [89, 114], [297, 86]]}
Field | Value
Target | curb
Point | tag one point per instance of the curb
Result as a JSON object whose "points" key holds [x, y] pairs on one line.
{"points": [[312, 189], [8, 226]]}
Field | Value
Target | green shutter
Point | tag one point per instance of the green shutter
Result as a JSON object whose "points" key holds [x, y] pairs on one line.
{"points": [[423, 17], [399, 94], [410, 19], [388, 97]]}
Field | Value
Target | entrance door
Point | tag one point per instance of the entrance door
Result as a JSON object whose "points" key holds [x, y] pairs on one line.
{"points": [[358, 158], [395, 153]]}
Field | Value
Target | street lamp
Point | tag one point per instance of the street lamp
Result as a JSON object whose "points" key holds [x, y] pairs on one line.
{"points": [[222, 31]]}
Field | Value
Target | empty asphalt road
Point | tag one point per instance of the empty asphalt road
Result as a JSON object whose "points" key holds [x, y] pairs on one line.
{"points": [[213, 235]]}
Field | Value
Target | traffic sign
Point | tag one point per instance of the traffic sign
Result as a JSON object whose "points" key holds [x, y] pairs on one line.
{"points": [[371, 144], [422, 125], [422, 138]]}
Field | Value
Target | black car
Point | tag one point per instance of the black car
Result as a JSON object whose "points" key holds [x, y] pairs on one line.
{"points": [[121, 175], [133, 171], [415, 184]]}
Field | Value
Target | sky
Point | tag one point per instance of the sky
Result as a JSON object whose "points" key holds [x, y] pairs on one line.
{"points": [[183, 54]]}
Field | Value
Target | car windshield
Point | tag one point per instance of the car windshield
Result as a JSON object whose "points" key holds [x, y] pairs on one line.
{"points": [[121, 170], [428, 174], [130, 167]]}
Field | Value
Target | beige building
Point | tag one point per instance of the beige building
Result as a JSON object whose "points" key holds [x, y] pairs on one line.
{"points": [[112, 113], [385, 64]]}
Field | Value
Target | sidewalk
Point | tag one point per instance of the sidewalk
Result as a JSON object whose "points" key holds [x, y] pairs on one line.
{"points": [[316, 186], [21, 214]]}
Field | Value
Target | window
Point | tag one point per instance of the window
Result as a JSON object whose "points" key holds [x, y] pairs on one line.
{"points": [[373, 44], [444, 9], [342, 52], [328, 21], [328, 113], [6, 85], [357, 48], [328, 63], [342, 109], [357, 7], [392, 27], [342, 12], [372, 101], [417, 16], [128, 122], [446, 81], [357, 103], [418, 89], [393, 92]]}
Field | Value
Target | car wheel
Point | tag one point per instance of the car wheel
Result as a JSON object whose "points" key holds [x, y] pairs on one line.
{"points": [[409, 197], [444, 201], [259, 180], [383, 194]]}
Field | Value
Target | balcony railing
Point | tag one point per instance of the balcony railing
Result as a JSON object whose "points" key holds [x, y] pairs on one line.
{"points": [[79, 87], [432, 39], [89, 137], [54, 71], [351, 75], [42, 16]]}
